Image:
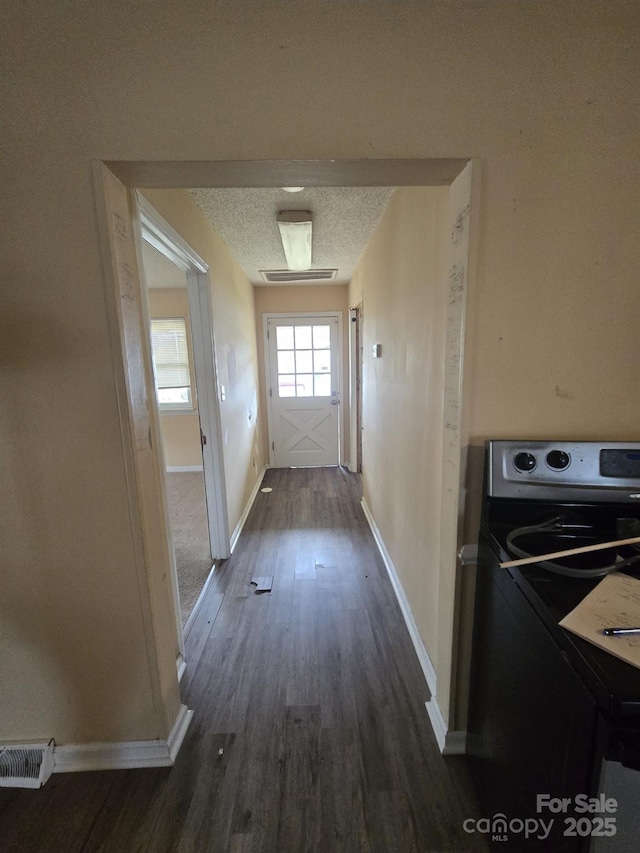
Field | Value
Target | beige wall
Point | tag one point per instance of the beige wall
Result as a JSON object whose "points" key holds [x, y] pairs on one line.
{"points": [[235, 345], [181, 439], [293, 299], [180, 430], [544, 94], [402, 281]]}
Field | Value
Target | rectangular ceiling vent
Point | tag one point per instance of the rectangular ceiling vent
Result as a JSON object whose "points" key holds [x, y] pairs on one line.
{"points": [[295, 276]]}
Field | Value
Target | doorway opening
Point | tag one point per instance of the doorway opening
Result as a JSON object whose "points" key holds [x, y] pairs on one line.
{"points": [[179, 324], [456, 174], [180, 430]]}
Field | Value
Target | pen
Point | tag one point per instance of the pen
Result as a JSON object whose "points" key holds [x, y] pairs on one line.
{"points": [[619, 632]]}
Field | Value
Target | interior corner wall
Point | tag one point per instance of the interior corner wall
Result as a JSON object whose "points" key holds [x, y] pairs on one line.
{"points": [[180, 430], [242, 419], [402, 278], [292, 299]]}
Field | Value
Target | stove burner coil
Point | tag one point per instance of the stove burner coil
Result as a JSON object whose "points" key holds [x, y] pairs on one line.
{"points": [[556, 525]]}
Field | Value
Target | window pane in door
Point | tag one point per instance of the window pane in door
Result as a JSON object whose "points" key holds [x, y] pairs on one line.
{"points": [[322, 382], [304, 385], [304, 362], [303, 356], [303, 337], [286, 362], [287, 385], [284, 337], [322, 361], [321, 337]]}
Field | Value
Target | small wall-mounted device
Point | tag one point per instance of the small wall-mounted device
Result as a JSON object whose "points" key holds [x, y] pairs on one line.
{"points": [[377, 350]]}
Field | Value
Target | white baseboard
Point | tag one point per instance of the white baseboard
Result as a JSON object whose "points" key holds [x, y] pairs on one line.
{"points": [[450, 742], [178, 732], [238, 529], [455, 743], [184, 469], [437, 722], [423, 656], [72, 758]]}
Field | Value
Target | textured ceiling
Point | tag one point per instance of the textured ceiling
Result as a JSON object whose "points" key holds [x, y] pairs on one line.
{"points": [[344, 219]]}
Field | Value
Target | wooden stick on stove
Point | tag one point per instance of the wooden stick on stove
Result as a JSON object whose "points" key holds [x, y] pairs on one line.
{"points": [[570, 552]]}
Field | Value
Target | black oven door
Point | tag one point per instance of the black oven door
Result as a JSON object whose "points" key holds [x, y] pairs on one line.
{"points": [[532, 723]]}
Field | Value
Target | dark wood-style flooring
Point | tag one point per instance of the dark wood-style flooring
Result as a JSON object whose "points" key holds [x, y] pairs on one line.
{"points": [[310, 732]]}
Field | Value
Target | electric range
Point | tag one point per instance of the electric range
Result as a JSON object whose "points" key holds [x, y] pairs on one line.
{"points": [[547, 708]]}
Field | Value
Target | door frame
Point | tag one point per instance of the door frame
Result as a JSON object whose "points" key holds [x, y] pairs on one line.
{"points": [[157, 231], [355, 388], [454, 638], [267, 372]]}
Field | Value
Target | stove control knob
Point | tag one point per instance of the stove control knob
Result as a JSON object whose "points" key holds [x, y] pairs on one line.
{"points": [[524, 461], [558, 460]]}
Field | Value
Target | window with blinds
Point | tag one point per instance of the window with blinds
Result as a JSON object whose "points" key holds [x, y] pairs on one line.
{"points": [[171, 363]]}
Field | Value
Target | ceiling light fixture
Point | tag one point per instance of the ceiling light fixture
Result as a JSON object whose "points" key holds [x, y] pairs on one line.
{"points": [[293, 189], [295, 233]]}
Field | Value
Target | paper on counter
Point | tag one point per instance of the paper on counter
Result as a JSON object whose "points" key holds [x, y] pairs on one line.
{"points": [[614, 603]]}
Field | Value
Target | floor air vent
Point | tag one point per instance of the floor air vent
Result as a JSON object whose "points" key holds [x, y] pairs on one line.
{"points": [[292, 276], [26, 766]]}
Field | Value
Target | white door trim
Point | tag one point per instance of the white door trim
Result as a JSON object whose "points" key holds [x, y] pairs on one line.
{"points": [[353, 385], [204, 356], [157, 231], [267, 371], [163, 237]]}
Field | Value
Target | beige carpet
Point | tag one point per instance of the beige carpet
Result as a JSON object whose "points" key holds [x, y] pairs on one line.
{"points": [[187, 511]]}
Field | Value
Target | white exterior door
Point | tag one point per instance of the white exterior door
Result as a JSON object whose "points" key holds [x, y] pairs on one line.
{"points": [[304, 399]]}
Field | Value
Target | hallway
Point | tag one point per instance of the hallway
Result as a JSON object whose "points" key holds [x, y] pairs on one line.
{"points": [[310, 731]]}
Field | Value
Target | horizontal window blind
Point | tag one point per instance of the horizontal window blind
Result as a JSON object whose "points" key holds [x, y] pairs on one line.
{"points": [[170, 353]]}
